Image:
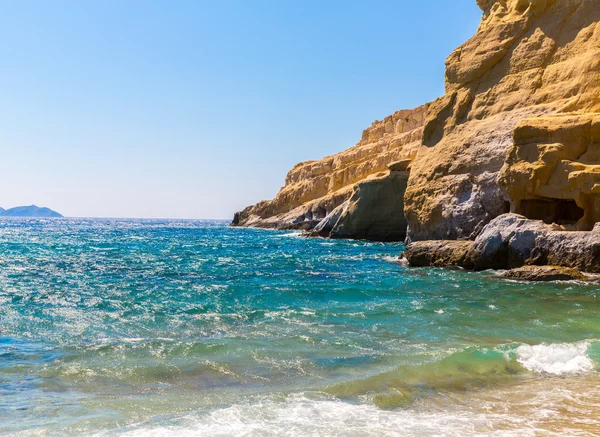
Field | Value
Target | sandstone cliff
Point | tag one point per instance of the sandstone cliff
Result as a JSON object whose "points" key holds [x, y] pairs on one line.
{"points": [[526, 86], [357, 193], [517, 131]]}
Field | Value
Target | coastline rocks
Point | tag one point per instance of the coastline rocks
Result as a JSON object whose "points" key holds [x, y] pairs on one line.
{"points": [[441, 253], [503, 171], [512, 241], [543, 274]]}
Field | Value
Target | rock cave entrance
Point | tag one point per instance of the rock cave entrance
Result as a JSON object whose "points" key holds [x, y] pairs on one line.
{"points": [[321, 213], [559, 211]]}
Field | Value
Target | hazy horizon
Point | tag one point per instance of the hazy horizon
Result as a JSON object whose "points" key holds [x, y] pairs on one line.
{"points": [[195, 109]]}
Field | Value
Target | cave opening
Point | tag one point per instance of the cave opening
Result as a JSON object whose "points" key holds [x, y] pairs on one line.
{"points": [[321, 213], [559, 211]]}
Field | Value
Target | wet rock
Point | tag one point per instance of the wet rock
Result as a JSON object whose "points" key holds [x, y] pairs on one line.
{"points": [[544, 273]]}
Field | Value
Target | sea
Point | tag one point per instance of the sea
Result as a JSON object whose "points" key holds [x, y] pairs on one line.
{"points": [[113, 327]]}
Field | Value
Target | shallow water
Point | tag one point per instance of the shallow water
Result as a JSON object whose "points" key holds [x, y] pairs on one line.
{"points": [[147, 327]]}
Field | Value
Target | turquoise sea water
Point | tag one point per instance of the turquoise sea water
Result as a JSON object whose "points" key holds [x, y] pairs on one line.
{"points": [[152, 328]]}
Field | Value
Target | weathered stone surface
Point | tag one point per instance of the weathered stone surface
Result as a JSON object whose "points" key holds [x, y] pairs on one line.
{"points": [[441, 253], [518, 130], [374, 211], [552, 172], [544, 273], [511, 241], [529, 60], [315, 190]]}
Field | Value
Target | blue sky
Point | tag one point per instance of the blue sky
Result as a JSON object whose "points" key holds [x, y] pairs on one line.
{"points": [[195, 109]]}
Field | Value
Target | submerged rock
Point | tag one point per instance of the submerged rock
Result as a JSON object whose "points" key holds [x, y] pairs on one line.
{"points": [[544, 273]]}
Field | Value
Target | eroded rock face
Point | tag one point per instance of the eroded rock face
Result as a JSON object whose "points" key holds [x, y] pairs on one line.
{"points": [[552, 172], [355, 194], [529, 61], [512, 240], [374, 211]]}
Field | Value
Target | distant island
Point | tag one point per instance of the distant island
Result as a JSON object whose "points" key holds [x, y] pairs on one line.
{"points": [[29, 211]]}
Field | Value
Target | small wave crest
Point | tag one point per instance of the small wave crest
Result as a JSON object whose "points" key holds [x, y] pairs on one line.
{"points": [[557, 358], [301, 416], [293, 234]]}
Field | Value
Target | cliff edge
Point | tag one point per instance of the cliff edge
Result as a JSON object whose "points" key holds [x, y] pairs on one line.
{"points": [[358, 193], [516, 124], [514, 143]]}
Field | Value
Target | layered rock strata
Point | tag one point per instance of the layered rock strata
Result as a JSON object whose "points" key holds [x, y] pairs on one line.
{"points": [[358, 193], [533, 65]]}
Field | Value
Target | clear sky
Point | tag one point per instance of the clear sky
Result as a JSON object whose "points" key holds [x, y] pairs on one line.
{"points": [[195, 109]]}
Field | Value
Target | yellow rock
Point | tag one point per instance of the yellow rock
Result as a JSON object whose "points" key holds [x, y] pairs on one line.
{"points": [[528, 59], [518, 130], [314, 189]]}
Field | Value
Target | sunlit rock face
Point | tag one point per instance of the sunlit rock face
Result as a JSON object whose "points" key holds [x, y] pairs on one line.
{"points": [[362, 187], [522, 96], [516, 131], [552, 172]]}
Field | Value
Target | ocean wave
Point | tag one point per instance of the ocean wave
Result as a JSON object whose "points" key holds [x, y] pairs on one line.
{"points": [[302, 416], [293, 234], [311, 414], [468, 369], [556, 359]]}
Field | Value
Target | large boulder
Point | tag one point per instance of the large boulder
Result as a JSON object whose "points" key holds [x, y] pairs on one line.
{"points": [[512, 240]]}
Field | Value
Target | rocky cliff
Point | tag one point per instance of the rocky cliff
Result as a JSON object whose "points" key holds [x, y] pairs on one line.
{"points": [[526, 86], [357, 193], [517, 131]]}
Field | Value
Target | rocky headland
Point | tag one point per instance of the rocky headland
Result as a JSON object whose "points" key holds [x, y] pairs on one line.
{"points": [[503, 171], [358, 193]]}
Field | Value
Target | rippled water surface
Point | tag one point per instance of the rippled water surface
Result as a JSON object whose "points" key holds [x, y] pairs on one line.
{"points": [[185, 328]]}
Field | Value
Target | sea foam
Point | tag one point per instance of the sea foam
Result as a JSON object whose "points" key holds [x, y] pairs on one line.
{"points": [[300, 416], [557, 358]]}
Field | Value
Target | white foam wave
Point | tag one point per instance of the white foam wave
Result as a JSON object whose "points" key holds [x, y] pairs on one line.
{"points": [[557, 358], [396, 260], [293, 234], [300, 417]]}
